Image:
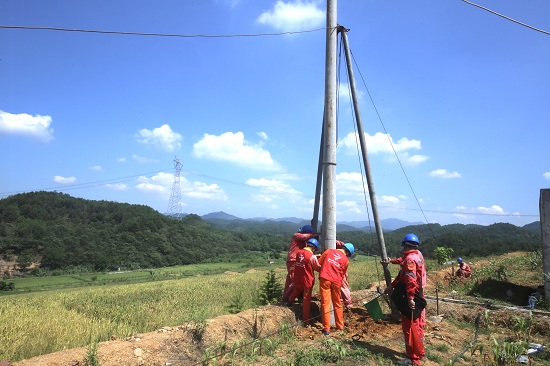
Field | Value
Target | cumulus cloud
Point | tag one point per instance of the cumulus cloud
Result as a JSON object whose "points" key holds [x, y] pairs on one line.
{"points": [[546, 175], [349, 207], [233, 148], [444, 173], [97, 168], [349, 183], [203, 191], [262, 135], [24, 124], [272, 188], [472, 213], [294, 16], [383, 144], [162, 137], [389, 200], [117, 186], [494, 209], [162, 184], [64, 180]]}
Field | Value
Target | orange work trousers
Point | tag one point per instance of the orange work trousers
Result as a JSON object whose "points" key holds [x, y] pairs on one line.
{"points": [[330, 291]]}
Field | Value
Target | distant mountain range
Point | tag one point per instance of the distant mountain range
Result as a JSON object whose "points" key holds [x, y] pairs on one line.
{"points": [[215, 218]]}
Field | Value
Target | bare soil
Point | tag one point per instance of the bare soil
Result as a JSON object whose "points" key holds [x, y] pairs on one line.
{"points": [[446, 336]]}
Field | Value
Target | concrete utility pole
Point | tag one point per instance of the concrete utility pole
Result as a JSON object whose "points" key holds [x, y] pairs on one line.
{"points": [[329, 128], [370, 184], [544, 203]]}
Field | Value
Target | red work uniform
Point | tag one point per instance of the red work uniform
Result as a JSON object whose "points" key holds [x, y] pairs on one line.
{"points": [[424, 281], [345, 292], [304, 279], [413, 274], [334, 266], [464, 270], [297, 243]]}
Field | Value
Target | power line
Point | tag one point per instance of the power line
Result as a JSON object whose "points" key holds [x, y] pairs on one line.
{"points": [[86, 185], [507, 18], [177, 35], [132, 177]]}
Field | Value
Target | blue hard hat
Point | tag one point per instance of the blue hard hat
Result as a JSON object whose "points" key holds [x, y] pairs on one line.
{"points": [[307, 229], [313, 242], [350, 248], [410, 239], [459, 260]]}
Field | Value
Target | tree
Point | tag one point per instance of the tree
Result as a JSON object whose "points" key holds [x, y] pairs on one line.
{"points": [[442, 254], [271, 291]]}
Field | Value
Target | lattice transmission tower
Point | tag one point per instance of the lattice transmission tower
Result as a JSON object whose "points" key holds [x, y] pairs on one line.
{"points": [[174, 205]]}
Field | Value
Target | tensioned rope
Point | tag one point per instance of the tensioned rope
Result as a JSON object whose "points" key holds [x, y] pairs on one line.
{"points": [[507, 18]]}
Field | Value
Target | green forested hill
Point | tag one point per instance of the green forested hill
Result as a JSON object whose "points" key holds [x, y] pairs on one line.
{"points": [[465, 240], [60, 231]]}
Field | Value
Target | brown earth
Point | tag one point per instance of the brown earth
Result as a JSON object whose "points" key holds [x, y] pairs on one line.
{"points": [[190, 344]]}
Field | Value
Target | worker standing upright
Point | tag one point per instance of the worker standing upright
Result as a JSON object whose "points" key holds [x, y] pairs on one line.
{"points": [[304, 276], [297, 243], [334, 266], [345, 291], [411, 281]]}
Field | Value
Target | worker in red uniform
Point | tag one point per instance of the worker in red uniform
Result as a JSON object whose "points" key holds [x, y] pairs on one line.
{"points": [[304, 276], [334, 266], [413, 276], [346, 291], [464, 269], [298, 242]]}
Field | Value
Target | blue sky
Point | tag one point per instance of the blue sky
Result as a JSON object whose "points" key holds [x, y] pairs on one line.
{"points": [[461, 93]]}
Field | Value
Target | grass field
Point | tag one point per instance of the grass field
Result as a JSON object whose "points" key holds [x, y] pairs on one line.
{"points": [[55, 313], [48, 314]]}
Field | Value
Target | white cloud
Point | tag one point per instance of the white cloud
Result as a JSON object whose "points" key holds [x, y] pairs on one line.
{"points": [[472, 213], [64, 180], [294, 16], [121, 159], [444, 173], [162, 137], [546, 175], [27, 125], [349, 207], [273, 186], [383, 144], [389, 199], [273, 190], [97, 168], [349, 184], [232, 147], [142, 159], [263, 135], [117, 186], [344, 92], [494, 209], [162, 183], [203, 191]]}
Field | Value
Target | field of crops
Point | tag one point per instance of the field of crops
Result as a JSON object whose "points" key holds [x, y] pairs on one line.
{"points": [[41, 322]]}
